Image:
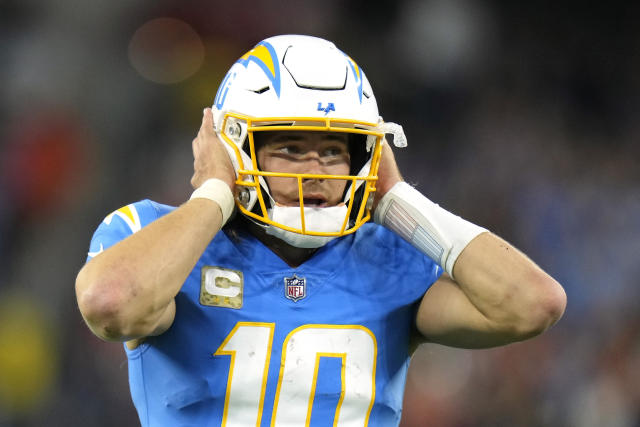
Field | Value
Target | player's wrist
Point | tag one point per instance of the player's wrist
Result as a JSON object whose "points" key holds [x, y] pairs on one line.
{"points": [[431, 229], [218, 191]]}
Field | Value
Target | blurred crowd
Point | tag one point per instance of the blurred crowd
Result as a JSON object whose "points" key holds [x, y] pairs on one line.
{"points": [[520, 116]]}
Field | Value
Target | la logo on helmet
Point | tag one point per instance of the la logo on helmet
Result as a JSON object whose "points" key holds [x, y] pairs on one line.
{"points": [[329, 108]]}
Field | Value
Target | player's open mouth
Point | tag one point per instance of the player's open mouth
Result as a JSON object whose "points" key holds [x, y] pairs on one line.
{"points": [[315, 202]]}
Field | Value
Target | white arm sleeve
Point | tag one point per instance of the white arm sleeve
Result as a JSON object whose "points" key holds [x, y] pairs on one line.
{"points": [[432, 230]]}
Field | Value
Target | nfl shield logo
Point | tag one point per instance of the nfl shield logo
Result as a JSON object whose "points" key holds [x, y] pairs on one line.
{"points": [[295, 288]]}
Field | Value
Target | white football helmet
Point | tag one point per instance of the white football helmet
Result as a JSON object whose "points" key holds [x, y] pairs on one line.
{"points": [[295, 82]]}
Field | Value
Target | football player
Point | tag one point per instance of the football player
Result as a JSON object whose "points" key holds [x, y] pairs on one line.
{"points": [[285, 290]]}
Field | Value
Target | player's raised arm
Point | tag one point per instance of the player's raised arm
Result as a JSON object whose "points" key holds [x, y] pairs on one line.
{"points": [[498, 295], [127, 291]]}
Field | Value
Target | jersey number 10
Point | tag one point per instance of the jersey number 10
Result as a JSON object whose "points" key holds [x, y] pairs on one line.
{"points": [[249, 345]]}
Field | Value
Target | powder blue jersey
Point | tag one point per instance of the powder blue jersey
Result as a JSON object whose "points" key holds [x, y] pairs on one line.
{"points": [[258, 343]]}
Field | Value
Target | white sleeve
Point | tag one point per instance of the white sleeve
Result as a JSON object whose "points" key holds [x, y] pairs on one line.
{"points": [[432, 230]]}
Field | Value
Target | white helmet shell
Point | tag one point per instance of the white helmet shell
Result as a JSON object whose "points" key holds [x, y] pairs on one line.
{"points": [[296, 76]]}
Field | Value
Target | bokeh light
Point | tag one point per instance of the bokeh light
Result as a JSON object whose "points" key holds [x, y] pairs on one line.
{"points": [[28, 356], [44, 160], [166, 50]]}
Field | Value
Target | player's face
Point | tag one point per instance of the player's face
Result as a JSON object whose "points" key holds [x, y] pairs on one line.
{"points": [[322, 153]]}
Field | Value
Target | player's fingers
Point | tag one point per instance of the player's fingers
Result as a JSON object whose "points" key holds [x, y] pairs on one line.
{"points": [[387, 158], [386, 149], [207, 121], [388, 173], [203, 126]]}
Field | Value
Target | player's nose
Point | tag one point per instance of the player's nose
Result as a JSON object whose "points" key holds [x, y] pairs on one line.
{"points": [[313, 164]]}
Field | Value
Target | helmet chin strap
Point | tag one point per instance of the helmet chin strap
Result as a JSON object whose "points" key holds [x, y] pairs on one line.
{"points": [[316, 219]]}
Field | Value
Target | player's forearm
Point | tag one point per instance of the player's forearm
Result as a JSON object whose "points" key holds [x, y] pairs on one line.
{"points": [[517, 299], [125, 292], [498, 296]]}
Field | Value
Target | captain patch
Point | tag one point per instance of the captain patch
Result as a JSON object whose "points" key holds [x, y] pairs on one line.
{"points": [[221, 287]]}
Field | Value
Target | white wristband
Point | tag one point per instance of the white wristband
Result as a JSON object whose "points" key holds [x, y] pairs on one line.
{"points": [[218, 191], [432, 230]]}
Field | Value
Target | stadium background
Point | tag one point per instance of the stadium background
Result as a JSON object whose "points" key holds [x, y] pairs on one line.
{"points": [[521, 116]]}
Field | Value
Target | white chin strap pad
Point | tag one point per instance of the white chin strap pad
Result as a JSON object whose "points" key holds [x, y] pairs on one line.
{"points": [[316, 219]]}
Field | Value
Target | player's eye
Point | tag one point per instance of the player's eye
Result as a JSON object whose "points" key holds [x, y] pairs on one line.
{"points": [[334, 151], [288, 149]]}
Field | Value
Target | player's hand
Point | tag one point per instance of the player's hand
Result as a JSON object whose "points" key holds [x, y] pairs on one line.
{"points": [[210, 158], [388, 173]]}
